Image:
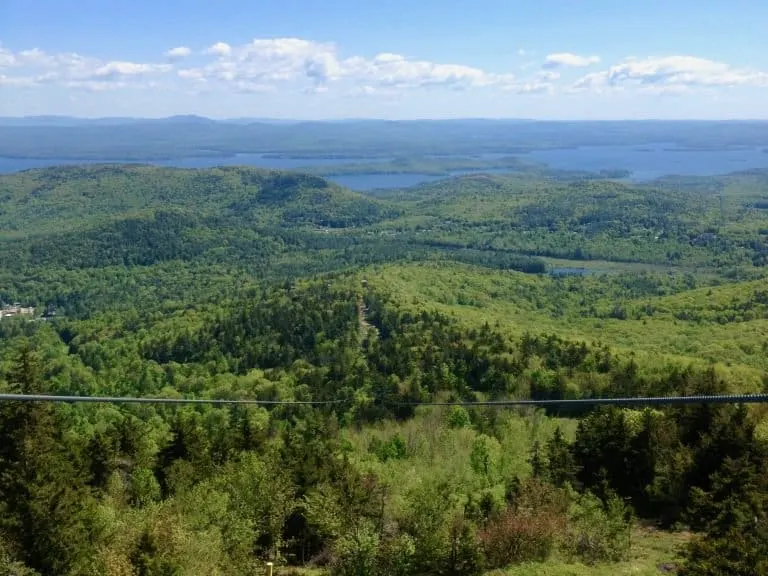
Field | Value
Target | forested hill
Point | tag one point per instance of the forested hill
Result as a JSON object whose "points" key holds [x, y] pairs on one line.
{"points": [[88, 217], [77, 197]]}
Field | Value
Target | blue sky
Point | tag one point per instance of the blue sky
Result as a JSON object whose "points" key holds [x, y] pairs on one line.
{"points": [[393, 59]]}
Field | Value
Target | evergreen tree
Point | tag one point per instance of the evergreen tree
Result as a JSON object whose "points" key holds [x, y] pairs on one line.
{"points": [[45, 504], [560, 465]]}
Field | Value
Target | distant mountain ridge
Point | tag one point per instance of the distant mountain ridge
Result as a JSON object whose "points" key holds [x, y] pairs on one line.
{"points": [[135, 139]]}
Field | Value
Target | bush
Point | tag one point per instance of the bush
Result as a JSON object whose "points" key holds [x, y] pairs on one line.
{"points": [[354, 554], [597, 531], [144, 487], [394, 449], [741, 552], [395, 556], [465, 556], [458, 417], [365, 552], [528, 529]]}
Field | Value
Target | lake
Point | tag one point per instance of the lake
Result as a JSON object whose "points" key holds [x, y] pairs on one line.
{"points": [[645, 162], [649, 162]]}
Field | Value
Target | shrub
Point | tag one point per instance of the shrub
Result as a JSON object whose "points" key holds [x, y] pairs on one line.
{"points": [[528, 529], [144, 487], [354, 554], [365, 552], [485, 456], [597, 531], [458, 417], [741, 552], [393, 449], [395, 556], [465, 556]]}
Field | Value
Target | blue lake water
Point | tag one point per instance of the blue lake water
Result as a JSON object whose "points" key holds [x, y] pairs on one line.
{"points": [[15, 164], [645, 162], [652, 161]]}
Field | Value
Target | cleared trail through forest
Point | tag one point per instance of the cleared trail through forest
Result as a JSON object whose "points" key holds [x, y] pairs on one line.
{"points": [[367, 330]]}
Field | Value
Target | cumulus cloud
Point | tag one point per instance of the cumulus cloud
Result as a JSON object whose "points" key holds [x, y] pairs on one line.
{"points": [[221, 49], [567, 59], [117, 69], [178, 52], [394, 70], [36, 67], [671, 71], [274, 60], [96, 85], [191, 74], [15, 81], [7, 58], [306, 66]]}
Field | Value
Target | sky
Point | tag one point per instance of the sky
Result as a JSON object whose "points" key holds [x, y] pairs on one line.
{"points": [[393, 59]]}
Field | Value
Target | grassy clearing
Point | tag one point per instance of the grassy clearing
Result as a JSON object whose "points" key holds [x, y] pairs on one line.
{"points": [[652, 552], [651, 549]]}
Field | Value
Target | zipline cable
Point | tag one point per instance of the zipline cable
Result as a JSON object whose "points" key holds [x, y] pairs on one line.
{"points": [[139, 400], [629, 401]]}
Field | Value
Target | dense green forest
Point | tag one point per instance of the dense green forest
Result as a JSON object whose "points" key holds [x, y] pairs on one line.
{"points": [[236, 283]]}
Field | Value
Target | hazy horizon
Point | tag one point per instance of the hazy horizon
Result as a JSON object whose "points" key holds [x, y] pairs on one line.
{"points": [[376, 119]]}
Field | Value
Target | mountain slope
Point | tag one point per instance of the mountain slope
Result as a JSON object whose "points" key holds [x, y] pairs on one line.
{"points": [[77, 197]]}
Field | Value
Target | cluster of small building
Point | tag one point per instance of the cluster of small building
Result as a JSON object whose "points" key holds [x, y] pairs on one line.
{"points": [[16, 310]]}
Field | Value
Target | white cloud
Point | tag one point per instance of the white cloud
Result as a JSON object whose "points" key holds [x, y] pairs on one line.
{"points": [[36, 67], [299, 66], [397, 71], [118, 68], [671, 71], [565, 59], [178, 52], [96, 85], [16, 81], [221, 49], [191, 74], [276, 60], [7, 58]]}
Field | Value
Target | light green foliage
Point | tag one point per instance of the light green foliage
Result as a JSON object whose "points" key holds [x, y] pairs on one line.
{"points": [[355, 553], [144, 488], [458, 417], [579, 308], [598, 531], [485, 456]]}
